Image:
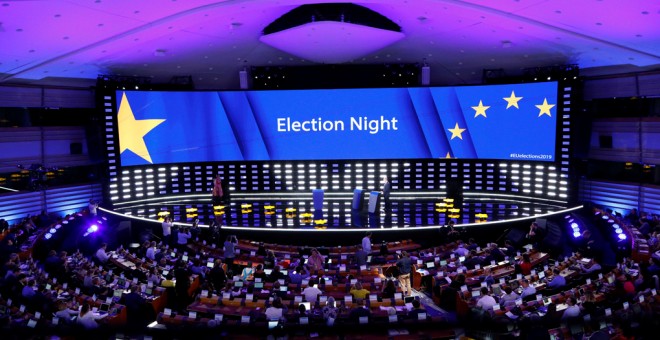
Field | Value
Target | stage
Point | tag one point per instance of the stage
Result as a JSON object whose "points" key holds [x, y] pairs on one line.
{"points": [[295, 211]]}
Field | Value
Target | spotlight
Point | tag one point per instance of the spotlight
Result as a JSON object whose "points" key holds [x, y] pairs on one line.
{"points": [[622, 237], [93, 228], [48, 236], [576, 234], [574, 225]]}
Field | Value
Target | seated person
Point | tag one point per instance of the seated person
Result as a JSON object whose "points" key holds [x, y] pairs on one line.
{"points": [[557, 281], [525, 265], [359, 311], [167, 283], [509, 295], [417, 309], [486, 302], [573, 311], [358, 292], [528, 290], [276, 310], [311, 293]]}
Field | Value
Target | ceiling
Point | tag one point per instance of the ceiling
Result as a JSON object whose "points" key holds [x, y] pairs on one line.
{"points": [[71, 42]]}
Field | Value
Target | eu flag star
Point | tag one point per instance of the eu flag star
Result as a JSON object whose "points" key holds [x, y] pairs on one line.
{"points": [[480, 110], [512, 101], [545, 108], [456, 132], [132, 131]]}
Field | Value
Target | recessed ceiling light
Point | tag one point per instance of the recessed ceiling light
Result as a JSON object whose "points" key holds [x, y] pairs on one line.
{"points": [[638, 35], [65, 38], [599, 24], [645, 12], [100, 25], [31, 51], [19, 30], [558, 11], [57, 15], [136, 12]]}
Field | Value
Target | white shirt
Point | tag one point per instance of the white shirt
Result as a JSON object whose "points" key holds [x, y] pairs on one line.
{"points": [[101, 255], [183, 237], [486, 302], [311, 293], [530, 290], [366, 244], [509, 297], [88, 321], [167, 228], [461, 251], [273, 313], [151, 253], [571, 312]]}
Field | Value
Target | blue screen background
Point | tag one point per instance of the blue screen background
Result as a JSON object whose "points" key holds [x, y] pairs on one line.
{"points": [[243, 125]]}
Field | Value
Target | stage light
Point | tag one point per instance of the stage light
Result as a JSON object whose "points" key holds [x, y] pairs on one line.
{"points": [[48, 236], [622, 236], [575, 225]]}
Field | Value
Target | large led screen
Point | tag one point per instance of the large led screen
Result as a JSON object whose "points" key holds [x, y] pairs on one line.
{"points": [[508, 122]]}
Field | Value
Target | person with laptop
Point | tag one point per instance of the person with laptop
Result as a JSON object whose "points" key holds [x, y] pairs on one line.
{"points": [[276, 310], [486, 302], [87, 318], [417, 309], [311, 292]]}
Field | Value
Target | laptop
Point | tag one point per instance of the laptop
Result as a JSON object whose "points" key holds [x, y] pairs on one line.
{"points": [[104, 308]]}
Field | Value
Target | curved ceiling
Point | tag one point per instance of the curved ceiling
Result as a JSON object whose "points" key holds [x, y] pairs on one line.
{"points": [[71, 42]]}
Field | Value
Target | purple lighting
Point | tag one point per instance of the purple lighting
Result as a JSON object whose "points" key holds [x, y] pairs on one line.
{"points": [[93, 228], [331, 42]]}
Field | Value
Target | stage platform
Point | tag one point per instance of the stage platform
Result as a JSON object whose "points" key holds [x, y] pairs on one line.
{"points": [[295, 211]]}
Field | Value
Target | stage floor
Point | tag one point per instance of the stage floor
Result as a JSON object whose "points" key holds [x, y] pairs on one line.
{"points": [[407, 210]]}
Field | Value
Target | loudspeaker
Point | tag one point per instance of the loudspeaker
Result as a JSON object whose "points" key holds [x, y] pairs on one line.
{"points": [[76, 148], [426, 75], [243, 79]]}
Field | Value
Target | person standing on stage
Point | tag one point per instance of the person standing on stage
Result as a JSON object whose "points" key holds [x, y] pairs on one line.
{"points": [[366, 243], [404, 264], [217, 190], [386, 194], [167, 229]]}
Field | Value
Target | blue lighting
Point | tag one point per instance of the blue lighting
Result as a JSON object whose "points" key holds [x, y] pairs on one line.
{"points": [[93, 228], [574, 225], [618, 230], [622, 236], [52, 230], [48, 236], [616, 226], [576, 234], [605, 217]]}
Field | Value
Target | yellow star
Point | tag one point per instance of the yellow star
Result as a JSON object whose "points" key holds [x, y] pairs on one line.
{"points": [[545, 108], [448, 155], [132, 131], [456, 132], [512, 101], [480, 110]]}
